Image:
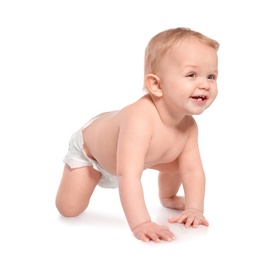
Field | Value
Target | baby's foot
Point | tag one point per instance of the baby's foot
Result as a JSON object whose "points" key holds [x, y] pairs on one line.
{"points": [[176, 202]]}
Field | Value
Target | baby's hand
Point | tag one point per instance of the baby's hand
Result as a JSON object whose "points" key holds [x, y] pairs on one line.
{"points": [[190, 217], [151, 231]]}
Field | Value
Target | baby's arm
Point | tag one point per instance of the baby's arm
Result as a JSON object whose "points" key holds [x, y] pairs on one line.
{"points": [[193, 181], [137, 215], [131, 151]]}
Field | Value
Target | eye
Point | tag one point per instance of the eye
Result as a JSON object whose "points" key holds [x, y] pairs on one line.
{"points": [[191, 75], [212, 77]]}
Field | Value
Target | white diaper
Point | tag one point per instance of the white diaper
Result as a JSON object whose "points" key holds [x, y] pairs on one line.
{"points": [[76, 157]]}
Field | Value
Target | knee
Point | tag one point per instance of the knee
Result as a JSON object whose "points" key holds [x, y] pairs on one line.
{"points": [[68, 209], [65, 212], [175, 202]]}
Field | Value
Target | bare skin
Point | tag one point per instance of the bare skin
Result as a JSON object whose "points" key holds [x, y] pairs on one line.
{"points": [[158, 132]]}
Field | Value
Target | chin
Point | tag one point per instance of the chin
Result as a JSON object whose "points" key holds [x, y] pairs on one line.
{"points": [[195, 113]]}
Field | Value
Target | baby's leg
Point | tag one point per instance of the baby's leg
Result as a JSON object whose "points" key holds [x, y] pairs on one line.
{"points": [[169, 184], [75, 190]]}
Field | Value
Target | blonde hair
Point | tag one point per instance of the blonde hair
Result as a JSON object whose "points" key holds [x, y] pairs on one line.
{"points": [[163, 41]]}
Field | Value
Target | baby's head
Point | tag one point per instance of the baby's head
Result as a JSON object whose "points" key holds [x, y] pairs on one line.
{"points": [[164, 41]]}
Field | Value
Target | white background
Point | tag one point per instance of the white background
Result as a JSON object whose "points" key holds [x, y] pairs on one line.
{"points": [[62, 62]]}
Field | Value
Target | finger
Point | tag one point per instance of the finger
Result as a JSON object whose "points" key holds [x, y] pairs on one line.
{"points": [[189, 221], [173, 219], [204, 222], [153, 236], [142, 236], [196, 223], [166, 235], [178, 219]]}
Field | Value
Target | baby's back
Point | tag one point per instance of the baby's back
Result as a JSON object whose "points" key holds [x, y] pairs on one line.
{"points": [[163, 144], [100, 140]]}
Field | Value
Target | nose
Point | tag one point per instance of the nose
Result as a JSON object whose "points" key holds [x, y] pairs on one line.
{"points": [[204, 84]]}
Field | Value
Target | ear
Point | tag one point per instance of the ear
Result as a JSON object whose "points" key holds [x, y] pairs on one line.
{"points": [[153, 85]]}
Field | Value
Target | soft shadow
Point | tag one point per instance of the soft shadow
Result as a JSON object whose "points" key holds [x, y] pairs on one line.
{"points": [[95, 219]]}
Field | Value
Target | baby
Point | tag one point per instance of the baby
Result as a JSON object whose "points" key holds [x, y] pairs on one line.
{"points": [[157, 132]]}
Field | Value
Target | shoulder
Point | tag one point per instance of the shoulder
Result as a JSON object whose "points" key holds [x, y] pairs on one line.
{"points": [[141, 111], [191, 133], [137, 119], [191, 125]]}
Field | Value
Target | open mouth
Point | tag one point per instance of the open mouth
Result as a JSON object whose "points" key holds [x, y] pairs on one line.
{"points": [[199, 98]]}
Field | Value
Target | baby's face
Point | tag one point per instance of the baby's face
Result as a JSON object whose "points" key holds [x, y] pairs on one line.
{"points": [[188, 74]]}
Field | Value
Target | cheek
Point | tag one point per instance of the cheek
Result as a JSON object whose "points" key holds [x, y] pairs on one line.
{"points": [[216, 92], [174, 85], [214, 89]]}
